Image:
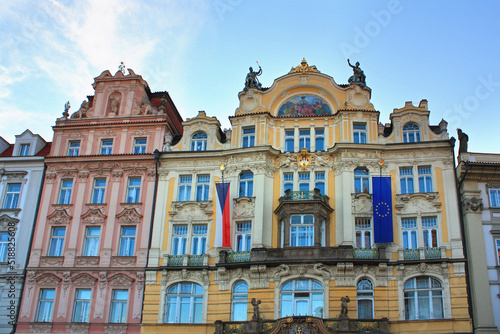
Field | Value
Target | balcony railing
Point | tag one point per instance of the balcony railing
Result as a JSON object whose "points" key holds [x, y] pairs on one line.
{"points": [[411, 254], [422, 253], [236, 257], [304, 195], [366, 253], [175, 260], [195, 260], [432, 253], [187, 260]]}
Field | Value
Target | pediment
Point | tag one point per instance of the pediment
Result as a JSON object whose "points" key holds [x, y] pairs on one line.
{"points": [[94, 216], [59, 216], [48, 280], [418, 202], [129, 216], [120, 280], [6, 221], [191, 210], [84, 280]]}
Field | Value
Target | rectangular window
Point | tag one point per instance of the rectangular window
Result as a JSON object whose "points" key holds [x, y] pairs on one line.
{"points": [[199, 241], [320, 182], [363, 232], [304, 178], [185, 187], [301, 230], [127, 241], [92, 235], [359, 133], [305, 139], [243, 236], [4, 245], [57, 241], [106, 146], [65, 192], [74, 148], [246, 184], [12, 195], [406, 178], [289, 140], [139, 145], [81, 309], [409, 227], [98, 191], [119, 306], [202, 187], [45, 305], [430, 232], [287, 182], [320, 139], [24, 150], [361, 181], [495, 198], [497, 242], [179, 239], [133, 190], [425, 179], [249, 137]]}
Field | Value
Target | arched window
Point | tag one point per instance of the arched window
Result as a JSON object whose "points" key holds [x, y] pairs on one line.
{"points": [[199, 142], [239, 301], [246, 184], [365, 299], [361, 180], [301, 297], [423, 298], [184, 303], [411, 133]]}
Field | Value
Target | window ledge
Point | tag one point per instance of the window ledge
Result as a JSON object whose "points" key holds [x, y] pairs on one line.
{"points": [[14, 212], [87, 260], [48, 261], [123, 260], [62, 206]]}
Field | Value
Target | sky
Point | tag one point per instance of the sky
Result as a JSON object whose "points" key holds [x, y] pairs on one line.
{"points": [[199, 51]]}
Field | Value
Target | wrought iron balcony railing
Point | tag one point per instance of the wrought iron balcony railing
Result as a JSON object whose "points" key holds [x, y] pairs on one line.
{"points": [[303, 195], [187, 260], [236, 257], [422, 253], [366, 253]]}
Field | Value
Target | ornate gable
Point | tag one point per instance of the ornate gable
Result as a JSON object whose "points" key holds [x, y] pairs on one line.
{"points": [[7, 221], [129, 216], [94, 216], [120, 280], [48, 280], [59, 216], [84, 280]]}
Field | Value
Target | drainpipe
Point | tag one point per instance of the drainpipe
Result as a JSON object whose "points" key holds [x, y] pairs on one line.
{"points": [[462, 230]]}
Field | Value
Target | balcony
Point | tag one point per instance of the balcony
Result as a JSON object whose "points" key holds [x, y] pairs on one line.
{"points": [[237, 257], [414, 254], [186, 260], [366, 253], [304, 196]]}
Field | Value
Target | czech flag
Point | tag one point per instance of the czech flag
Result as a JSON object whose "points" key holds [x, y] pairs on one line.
{"points": [[382, 209], [223, 219]]}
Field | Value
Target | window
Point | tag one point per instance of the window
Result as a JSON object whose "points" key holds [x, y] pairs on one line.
{"points": [[4, 245], [301, 230], [243, 236], [239, 301], [361, 180], [301, 297], [45, 305], [495, 198], [411, 133], [406, 178], [249, 137], [497, 242], [423, 298], [199, 142], [304, 178], [246, 184], [365, 299], [359, 133], [133, 190], [65, 192], [425, 179], [12, 196], [107, 146], [98, 191], [363, 232], [289, 141], [179, 239], [320, 182], [24, 150], [320, 139], [409, 226], [202, 187], [287, 182], [81, 309], [73, 148], [184, 303], [127, 241], [305, 139], [91, 246], [119, 306], [185, 187], [57, 241], [140, 145], [199, 240], [430, 232]]}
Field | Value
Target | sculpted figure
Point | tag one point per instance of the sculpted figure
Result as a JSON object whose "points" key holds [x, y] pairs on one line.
{"points": [[463, 139], [251, 80], [67, 105], [343, 306], [256, 311], [358, 75], [82, 112], [114, 105]]}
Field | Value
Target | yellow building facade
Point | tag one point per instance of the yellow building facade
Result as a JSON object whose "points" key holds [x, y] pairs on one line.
{"points": [[302, 159]]}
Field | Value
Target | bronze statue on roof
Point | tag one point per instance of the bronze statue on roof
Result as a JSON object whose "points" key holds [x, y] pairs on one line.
{"points": [[251, 80], [358, 77]]}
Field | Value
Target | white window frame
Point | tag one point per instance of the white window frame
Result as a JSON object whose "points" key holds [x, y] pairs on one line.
{"points": [[99, 191], [289, 140], [127, 241], [56, 241], [305, 139], [184, 189], [202, 187], [199, 238], [359, 133], [497, 247], [91, 242], [245, 186], [430, 297], [24, 150], [425, 179], [409, 228], [319, 136], [494, 198], [364, 291], [118, 305], [46, 316], [65, 191], [179, 239], [297, 294], [4, 245], [133, 190], [361, 177], [243, 236], [411, 133], [248, 137], [304, 179], [12, 198], [363, 228], [199, 142], [320, 182], [139, 145], [106, 147], [288, 181], [74, 148], [406, 179], [194, 300], [239, 298], [300, 229], [81, 306]]}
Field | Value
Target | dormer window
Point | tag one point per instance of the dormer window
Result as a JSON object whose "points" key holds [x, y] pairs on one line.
{"points": [[411, 133], [199, 142], [24, 150]]}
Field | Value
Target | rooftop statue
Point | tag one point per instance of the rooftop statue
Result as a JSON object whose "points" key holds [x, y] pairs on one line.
{"points": [[304, 67], [358, 77], [67, 105], [464, 140], [251, 80]]}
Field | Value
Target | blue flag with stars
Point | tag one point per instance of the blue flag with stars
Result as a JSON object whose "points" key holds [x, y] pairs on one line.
{"points": [[382, 209]]}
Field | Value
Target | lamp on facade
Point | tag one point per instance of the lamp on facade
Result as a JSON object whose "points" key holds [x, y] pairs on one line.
{"points": [[222, 167]]}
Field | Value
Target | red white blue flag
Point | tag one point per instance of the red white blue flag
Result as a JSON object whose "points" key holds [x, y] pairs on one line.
{"points": [[223, 218]]}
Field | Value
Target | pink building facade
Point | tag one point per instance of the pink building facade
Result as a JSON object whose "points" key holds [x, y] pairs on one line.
{"points": [[91, 239]]}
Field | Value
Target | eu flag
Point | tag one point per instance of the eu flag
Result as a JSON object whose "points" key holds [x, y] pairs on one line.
{"points": [[382, 209]]}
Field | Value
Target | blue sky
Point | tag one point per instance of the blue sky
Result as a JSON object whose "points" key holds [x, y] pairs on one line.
{"points": [[199, 51]]}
